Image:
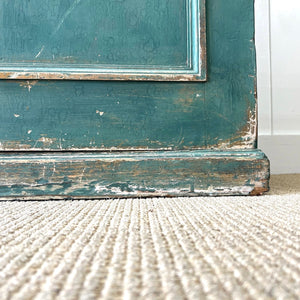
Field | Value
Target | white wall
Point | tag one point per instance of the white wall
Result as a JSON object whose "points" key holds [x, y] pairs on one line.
{"points": [[278, 78]]}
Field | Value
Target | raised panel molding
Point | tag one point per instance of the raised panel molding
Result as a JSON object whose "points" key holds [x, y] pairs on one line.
{"points": [[139, 50]]}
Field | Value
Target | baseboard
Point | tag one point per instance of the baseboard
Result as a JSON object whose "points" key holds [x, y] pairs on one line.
{"points": [[133, 174], [283, 152]]}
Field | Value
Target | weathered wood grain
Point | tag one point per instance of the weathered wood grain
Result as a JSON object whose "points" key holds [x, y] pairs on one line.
{"points": [[135, 174]]}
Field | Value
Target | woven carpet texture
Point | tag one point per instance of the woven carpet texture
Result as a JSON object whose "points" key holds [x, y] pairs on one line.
{"points": [[161, 248]]}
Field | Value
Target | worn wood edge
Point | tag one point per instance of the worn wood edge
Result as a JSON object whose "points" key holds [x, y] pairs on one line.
{"points": [[203, 45], [43, 176], [247, 154], [100, 76]]}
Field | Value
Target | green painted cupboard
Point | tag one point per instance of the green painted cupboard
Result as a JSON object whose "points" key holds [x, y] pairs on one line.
{"points": [[122, 98]]}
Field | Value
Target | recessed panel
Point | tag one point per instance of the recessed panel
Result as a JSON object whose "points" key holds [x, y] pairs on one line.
{"points": [[107, 39]]}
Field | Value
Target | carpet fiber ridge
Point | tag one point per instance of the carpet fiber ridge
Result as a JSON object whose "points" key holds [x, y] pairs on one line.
{"points": [[160, 248]]}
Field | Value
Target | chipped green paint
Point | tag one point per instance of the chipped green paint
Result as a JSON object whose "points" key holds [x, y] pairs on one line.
{"points": [[133, 174], [120, 115]]}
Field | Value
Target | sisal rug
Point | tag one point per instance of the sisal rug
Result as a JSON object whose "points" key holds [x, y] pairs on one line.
{"points": [[181, 248]]}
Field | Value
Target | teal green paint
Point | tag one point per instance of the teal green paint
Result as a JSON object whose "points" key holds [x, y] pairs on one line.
{"points": [[152, 38], [134, 174], [148, 115], [230, 92], [94, 32], [144, 114], [186, 118]]}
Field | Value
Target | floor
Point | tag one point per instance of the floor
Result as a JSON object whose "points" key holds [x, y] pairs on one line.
{"points": [[180, 248]]}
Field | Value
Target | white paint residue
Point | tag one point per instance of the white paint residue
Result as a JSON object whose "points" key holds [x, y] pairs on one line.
{"points": [[16, 115], [115, 190], [81, 176], [67, 13], [47, 140], [100, 188], [101, 113], [54, 169], [60, 23], [14, 75], [220, 190], [40, 52], [44, 171], [250, 136], [29, 84]]}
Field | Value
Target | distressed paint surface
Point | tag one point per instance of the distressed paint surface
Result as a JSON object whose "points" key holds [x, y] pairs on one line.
{"points": [[183, 173], [114, 40], [221, 113], [208, 128]]}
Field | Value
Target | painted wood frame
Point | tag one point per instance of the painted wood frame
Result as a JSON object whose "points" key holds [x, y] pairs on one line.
{"points": [[193, 70]]}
